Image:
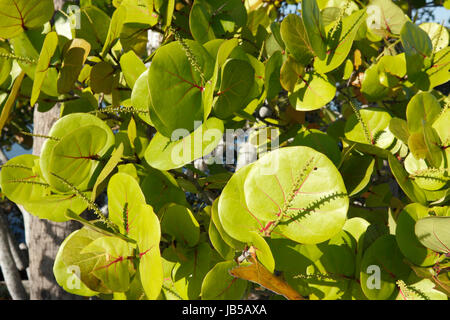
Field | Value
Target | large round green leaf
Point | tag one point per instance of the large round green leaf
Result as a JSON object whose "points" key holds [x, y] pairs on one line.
{"points": [[220, 285], [374, 129], [164, 154], [235, 217], [29, 45], [69, 124], [407, 240], [238, 78], [54, 206], [382, 265], [437, 33], [422, 108], [434, 233], [385, 18], [22, 168], [312, 92], [179, 222], [75, 156], [215, 219], [148, 236], [357, 171], [299, 189], [340, 41], [210, 19], [177, 86], [408, 186], [124, 202], [140, 97], [319, 141], [42, 68], [314, 26], [296, 39], [160, 188], [111, 264], [19, 15], [71, 265]]}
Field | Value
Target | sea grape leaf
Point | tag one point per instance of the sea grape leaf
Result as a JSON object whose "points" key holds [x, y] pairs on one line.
{"points": [[20, 15], [54, 206], [437, 33], [439, 71], [424, 289], [179, 222], [95, 24], [5, 64], [148, 236], [385, 18], [73, 158], [114, 28], [140, 97], [319, 141], [406, 184], [426, 177], [374, 131], [238, 78], [435, 153], [9, 103], [225, 251], [190, 270], [62, 127], [423, 107], [296, 39], [399, 129], [69, 260], [111, 263], [124, 203], [434, 233], [107, 170], [75, 53], [262, 252], [164, 154], [272, 75], [215, 219], [357, 171], [160, 188], [290, 73], [132, 67], [21, 168], [210, 19], [339, 41], [314, 26], [385, 255], [84, 104], [371, 86], [407, 240], [417, 46], [43, 64], [312, 92], [220, 285], [102, 77], [176, 85], [234, 215], [336, 264], [286, 192]]}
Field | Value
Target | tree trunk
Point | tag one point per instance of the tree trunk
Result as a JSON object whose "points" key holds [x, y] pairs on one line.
{"points": [[8, 265], [45, 236]]}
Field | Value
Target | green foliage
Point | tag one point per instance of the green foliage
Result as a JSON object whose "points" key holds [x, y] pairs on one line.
{"points": [[352, 203]]}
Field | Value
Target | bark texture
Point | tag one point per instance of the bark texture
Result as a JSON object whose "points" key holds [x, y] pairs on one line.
{"points": [[45, 236]]}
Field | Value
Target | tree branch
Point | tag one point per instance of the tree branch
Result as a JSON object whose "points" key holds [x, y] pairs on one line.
{"points": [[10, 273]]}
